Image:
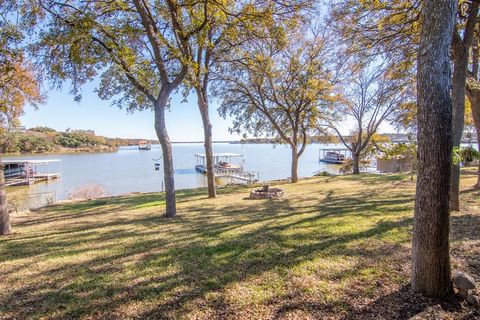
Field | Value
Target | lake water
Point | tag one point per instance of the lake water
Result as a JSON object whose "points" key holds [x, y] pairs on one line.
{"points": [[131, 170]]}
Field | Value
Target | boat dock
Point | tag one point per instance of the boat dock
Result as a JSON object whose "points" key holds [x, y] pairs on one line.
{"points": [[226, 168], [144, 145], [26, 172], [334, 155]]}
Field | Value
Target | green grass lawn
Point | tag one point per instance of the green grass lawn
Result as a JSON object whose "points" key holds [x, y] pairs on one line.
{"points": [[331, 248]]}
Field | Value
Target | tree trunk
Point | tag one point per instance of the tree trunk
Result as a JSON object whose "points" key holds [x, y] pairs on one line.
{"points": [[168, 171], [355, 163], [208, 144], [455, 187], [460, 64], [474, 96], [477, 186], [294, 174], [431, 257], [5, 227], [461, 53]]}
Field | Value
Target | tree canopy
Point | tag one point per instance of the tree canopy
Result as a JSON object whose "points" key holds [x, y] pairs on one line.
{"points": [[279, 85], [369, 96], [18, 84], [139, 49]]}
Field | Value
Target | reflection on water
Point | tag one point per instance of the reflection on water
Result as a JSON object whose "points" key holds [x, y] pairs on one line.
{"points": [[131, 170]]}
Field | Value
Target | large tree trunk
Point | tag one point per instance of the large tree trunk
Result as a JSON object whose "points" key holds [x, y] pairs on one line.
{"points": [[5, 227], [355, 163], [431, 257], [294, 167], [168, 171], [461, 50], [208, 144]]}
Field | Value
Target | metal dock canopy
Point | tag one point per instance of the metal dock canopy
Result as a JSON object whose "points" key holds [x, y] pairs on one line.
{"points": [[220, 161], [224, 166], [217, 156], [28, 171]]}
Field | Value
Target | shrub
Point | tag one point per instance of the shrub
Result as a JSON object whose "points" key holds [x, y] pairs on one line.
{"points": [[17, 202], [88, 192], [347, 166], [323, 173], [469, 155], [9, 143]]}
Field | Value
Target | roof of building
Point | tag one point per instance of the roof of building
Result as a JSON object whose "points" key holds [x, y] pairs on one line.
{"points": [[225, 154]]}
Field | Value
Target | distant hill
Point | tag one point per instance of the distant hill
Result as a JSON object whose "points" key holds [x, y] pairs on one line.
{"points": [[45, 139], [393, 137]]}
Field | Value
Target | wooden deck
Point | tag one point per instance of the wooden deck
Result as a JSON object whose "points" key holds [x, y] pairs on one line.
{"points": [[246, 176], [231, 173], [31, 180]]}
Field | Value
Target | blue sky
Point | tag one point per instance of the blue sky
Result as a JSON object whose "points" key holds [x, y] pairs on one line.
{"points": [[61, 112], [183, 120]]}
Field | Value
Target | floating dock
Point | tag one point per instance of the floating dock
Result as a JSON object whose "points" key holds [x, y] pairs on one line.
{"points": [[26, 172]]}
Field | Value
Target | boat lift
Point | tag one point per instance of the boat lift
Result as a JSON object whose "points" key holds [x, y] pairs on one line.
{"points": [[226, 165], [325, 157]]}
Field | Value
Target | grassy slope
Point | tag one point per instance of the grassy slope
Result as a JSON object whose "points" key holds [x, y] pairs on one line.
{"points": [[333, 247]]}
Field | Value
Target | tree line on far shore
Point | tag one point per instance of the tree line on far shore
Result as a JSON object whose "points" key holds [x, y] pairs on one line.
{"points": [[44, 139]]}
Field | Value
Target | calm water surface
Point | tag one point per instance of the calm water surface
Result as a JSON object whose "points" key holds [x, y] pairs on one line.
{"points": [[130, 170]]}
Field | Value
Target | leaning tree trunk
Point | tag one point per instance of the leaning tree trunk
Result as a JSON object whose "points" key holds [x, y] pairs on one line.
{"points": [[458, 115], [168, 171], [474, 97], [355, 163], [477, 186], [5, 227], [461, 53], [208, 144], [294, 166], [431, 257]]}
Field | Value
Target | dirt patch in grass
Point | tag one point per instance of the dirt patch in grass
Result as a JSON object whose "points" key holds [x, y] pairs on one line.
{"points": [[331, 248]]}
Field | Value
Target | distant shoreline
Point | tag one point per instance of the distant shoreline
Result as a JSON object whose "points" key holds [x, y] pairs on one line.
{"points": [[85, 150], [67, 151], [186, 142]]}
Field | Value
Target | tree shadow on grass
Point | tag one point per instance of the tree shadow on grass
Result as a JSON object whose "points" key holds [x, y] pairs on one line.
{"points": [[107, 205], [465, 241], [377, 179], [472, 191], [402, 304], [469, 171], [206, 249], [253, 254]]}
